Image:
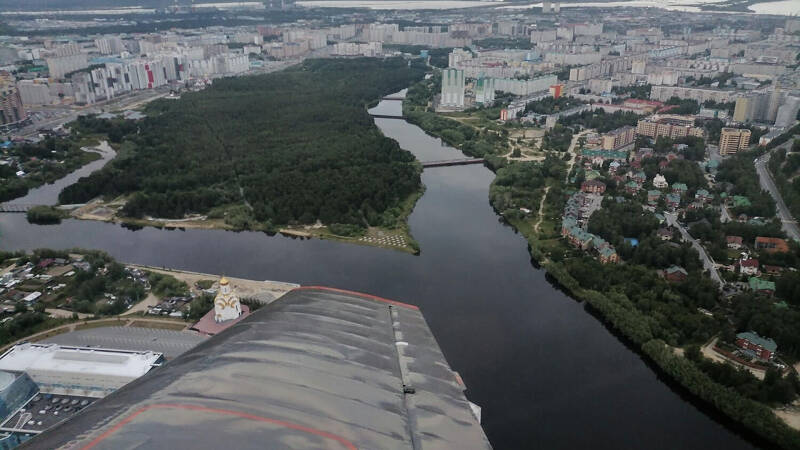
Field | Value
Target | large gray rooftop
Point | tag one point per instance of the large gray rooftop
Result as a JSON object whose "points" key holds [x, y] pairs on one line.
{"points": [[319, 368], [169, 342]]}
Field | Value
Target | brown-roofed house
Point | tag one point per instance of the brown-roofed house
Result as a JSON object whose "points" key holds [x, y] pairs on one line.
{"points": [[771, 244]]}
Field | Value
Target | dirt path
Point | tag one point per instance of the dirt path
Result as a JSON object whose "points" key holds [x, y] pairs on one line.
{"points": [[541, 210], [571, 151]]}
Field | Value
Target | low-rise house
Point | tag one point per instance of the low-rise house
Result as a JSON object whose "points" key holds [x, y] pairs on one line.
{"points": [[593, 187], [703, 195], [748, 266], [756, 346], [673, 200], [639, 177], [680, 188], [665, 234], [773, 270], [771, 244], [653, 196], [608, 255], [632, 187], [675, 274], [761, 286], [734, 242], [659, 182]]}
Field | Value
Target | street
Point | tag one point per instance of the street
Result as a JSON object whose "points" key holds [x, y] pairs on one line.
{"points": [[708, 263], [789, 224]]}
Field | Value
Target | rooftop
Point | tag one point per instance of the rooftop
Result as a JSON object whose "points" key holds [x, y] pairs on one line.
{"points": [[765, 343], [318, 368], [52, 357]]}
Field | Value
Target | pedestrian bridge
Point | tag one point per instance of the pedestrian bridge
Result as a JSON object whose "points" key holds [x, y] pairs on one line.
{"points": [[25, 207], [15, 207], [453, 162]]}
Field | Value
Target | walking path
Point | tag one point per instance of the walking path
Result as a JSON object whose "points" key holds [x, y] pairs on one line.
{"points": [[541, 210], [571, 151]]}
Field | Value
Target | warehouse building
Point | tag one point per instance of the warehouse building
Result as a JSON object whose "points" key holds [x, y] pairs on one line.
{"points": [[88, 372]]}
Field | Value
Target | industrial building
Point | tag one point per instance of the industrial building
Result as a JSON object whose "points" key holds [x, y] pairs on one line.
{"points": [[88, 372], [319, 368], [732, 140]]}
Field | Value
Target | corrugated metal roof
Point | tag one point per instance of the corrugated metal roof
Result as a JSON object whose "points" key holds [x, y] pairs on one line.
{"points": [[318, 368]]}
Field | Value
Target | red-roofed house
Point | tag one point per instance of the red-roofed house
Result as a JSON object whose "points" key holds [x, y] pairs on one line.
{"points": [[771, 244], [593, 187], [748, 266]]}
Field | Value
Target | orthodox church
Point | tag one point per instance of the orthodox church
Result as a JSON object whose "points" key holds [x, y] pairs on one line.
{"points": [[228, 310], [226, 304]]}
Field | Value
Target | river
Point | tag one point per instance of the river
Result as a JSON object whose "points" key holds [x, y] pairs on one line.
{"points": [[547, 373]]}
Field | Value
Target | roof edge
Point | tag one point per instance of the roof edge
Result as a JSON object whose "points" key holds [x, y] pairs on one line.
{"points": [[360, 294]]}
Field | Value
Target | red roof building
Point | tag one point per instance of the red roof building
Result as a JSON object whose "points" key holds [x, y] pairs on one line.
{"points": [[593, 187], [771, 244]]}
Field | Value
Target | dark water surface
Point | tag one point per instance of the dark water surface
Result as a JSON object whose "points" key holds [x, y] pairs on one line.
{"points": [[547, 374]]}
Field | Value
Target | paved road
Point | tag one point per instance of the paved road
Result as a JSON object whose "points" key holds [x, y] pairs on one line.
{"points": [[788, 222], [708, 263]]}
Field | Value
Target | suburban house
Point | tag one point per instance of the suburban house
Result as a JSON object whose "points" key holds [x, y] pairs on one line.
{"points": [[632, 187], [675, 274], [593, 187], [748, 266], [665, 234], [673, 200], [761, 286], [679, 188], [734, 242], [703, 196], [771, 244], [653, 196], [756, 346]]}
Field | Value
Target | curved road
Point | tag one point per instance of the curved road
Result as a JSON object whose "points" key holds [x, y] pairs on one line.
{"points": [[788, 222]]}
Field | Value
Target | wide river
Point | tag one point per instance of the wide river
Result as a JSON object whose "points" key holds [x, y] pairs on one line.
{"points": [[547, 373]]}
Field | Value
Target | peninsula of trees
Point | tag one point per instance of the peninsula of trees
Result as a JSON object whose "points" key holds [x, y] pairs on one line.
{"points": [[291, 147]]}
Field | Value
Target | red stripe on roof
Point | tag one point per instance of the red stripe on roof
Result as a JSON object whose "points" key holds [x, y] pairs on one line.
{"points": [[347, 444], [360, 294]]}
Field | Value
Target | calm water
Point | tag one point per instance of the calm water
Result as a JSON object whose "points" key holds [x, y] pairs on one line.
{"points": [[547, 373], [47, 194]]}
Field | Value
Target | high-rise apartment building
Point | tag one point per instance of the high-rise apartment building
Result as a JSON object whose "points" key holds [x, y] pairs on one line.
{"points": [[452, 88], [484, 91], [11, 109], [733, 140]]}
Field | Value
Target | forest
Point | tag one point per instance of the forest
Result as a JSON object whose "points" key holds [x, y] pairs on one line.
{"points": [[738, 170], [784, 167], [294, 146]]}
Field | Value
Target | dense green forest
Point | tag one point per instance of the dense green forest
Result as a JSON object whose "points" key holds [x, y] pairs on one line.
{"points": [[738, 170], [784, 167], [43, 162], [294, 146]]}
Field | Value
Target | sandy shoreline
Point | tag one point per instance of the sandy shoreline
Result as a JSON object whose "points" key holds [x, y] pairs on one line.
{"points": [[265, 291]]}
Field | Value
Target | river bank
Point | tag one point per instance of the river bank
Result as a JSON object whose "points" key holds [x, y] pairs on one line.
{"points": [[614, 309], [498, 320]]}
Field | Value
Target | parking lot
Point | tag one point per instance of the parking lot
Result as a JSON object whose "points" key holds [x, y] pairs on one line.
{"points": [[169, 342]]}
